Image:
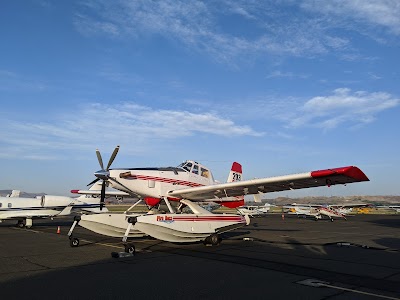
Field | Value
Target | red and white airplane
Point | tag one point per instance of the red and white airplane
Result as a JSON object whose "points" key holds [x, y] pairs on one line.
{"points": [[317, 211], [192, 182]]}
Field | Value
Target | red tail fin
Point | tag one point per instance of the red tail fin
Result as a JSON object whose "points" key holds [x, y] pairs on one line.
{"points": [[236, 173]]}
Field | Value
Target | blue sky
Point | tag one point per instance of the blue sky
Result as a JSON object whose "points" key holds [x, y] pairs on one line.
{"points": [[280, 86]]}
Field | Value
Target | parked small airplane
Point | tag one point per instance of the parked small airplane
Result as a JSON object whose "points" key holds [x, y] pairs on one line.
{"points": [[396, 208], [317, 211], [192, 182], [254, 210], [24, 209]]}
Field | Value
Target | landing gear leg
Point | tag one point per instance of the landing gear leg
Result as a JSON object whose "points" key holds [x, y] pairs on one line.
{"points": [[73, 241], [129, 248]]}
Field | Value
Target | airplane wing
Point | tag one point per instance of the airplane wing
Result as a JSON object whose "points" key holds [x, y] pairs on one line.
{"points": [[95, 192], [326, 177], [26, 214]]}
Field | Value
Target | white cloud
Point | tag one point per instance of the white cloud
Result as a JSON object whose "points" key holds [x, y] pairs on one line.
{"points": [[385, 13], [279, 29], [133, 125], [343, 106], [280, 74]]}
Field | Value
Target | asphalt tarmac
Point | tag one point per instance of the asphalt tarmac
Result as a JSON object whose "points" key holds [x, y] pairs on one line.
{"points": [[272, 258]]}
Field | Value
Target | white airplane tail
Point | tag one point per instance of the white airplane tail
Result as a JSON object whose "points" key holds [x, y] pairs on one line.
{"points": [[236, 173], [14, 193]]}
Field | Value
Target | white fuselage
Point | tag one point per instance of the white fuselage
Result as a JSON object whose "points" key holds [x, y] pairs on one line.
{"points": [[45, 206], [329, 212], [16, 207], [155, 182], [253, 210]]}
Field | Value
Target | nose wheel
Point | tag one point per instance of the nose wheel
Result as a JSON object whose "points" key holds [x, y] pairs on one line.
{"points": [[73, 241], [130, 248]]}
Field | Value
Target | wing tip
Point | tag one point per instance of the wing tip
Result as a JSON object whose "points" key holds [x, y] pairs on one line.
{"points": [[349, 171]]}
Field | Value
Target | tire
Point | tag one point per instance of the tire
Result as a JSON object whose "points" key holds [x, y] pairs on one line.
{"points": [[129, 248], [214, 239], [74, 242]]}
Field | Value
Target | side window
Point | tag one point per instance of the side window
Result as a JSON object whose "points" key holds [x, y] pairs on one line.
{"points": [[204, 172], [1, 204], [9, 204], [195, 169]]}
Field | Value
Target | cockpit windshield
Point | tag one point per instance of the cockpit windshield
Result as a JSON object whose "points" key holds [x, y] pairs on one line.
{"points": [[195, 168], [187, 166]]}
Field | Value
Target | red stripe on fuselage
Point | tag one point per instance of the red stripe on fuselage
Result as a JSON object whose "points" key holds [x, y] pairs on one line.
{"points": [[165, 180], [331, 211], [238, 219]]}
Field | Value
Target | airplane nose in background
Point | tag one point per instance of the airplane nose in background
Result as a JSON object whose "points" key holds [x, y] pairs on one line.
{"points": [[102, 174]]}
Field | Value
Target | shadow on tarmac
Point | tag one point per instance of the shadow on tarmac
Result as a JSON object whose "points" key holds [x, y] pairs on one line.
{"points": [[193, 271]]}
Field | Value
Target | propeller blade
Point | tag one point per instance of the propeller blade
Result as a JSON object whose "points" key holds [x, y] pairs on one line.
{"points": [[99, 159], [112, 157], [102, 195], [124, 186], [94, 181]]}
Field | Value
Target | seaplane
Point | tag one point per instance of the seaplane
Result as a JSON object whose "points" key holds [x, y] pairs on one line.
{"points": [[183, 187]]}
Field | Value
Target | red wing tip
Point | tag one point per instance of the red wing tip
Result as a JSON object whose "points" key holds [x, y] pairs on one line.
{"points": [[350, 171], [75, 191], [236, 167]]}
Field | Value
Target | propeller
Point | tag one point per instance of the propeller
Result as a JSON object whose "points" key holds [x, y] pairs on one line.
{"points": [[103, 174]]}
